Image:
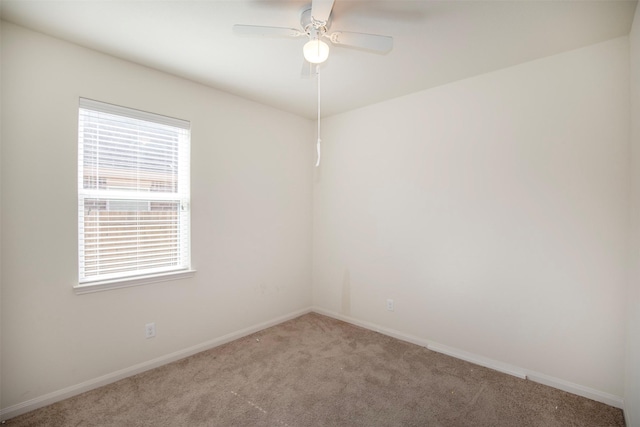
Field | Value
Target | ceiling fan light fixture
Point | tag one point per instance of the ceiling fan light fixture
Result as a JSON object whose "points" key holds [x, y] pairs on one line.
{"points": [[316, 51]]}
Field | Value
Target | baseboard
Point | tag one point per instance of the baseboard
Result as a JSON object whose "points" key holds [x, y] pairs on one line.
{"points": [[458, 354], [65, 393], [56, 396], [479, 360], [373, 327], [578, 389], [496, 365], [627, 418]]}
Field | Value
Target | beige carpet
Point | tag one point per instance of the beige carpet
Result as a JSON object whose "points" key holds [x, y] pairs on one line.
{"points": [[317, 371]]}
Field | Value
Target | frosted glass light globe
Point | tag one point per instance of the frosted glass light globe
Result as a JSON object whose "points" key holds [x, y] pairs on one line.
{"points": [[315, 51]]}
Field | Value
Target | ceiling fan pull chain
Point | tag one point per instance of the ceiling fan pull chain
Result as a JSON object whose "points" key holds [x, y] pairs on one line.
{"points": [[318, 151], [318, 143]]}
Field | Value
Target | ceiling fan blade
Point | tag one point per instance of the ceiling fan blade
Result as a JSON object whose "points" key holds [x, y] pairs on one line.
{"points": [[309, 70], [260, 31], [372, 42], [321, 9]]}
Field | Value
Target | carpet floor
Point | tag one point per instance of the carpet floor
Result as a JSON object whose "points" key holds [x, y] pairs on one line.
{"points": [[318, 371]]}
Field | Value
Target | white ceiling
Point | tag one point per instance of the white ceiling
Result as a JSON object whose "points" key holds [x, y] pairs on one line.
{"points": [[435, 42]]}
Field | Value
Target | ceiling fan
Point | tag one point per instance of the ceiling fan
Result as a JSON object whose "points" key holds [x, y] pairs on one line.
{"points": [[315, 22]]}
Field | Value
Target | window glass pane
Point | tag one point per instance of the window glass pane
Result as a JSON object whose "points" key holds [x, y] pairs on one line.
{"points": [[133, 193]]}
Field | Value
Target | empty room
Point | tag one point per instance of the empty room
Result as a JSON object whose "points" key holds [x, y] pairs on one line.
{"points": [[327, 212]]}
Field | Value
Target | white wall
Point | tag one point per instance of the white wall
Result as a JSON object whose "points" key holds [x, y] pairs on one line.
{"points": [[251, 219], [493, 210], [632, 371]]}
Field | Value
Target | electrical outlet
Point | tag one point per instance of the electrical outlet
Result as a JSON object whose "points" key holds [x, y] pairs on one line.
{"points": [[389, 305], [150, 330]]}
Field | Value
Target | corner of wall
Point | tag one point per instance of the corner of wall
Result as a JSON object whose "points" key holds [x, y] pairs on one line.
{"points": [[1, 62], [632, 363]]}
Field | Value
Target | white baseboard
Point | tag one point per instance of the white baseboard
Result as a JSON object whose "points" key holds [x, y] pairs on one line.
{"points": [[56, 396], [459, 354], [480, 360], [373, 327], [65, 393], [627, 418], [577, 389]]}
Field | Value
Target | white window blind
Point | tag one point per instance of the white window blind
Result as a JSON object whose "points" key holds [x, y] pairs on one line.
{"points": [[133, 193]]}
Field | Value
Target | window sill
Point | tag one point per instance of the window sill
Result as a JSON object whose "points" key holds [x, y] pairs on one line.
{"points": [[129, 282]]}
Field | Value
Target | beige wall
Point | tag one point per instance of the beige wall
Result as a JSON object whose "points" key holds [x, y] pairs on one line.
{"points": [[494, 211], [632, 372], [251, 219]]}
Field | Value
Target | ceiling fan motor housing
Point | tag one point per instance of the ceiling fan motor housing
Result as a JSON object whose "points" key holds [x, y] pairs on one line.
{"points": [[312, 26]]}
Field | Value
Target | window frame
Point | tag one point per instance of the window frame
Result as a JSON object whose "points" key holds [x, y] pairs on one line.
{"points": [[181, 193]]}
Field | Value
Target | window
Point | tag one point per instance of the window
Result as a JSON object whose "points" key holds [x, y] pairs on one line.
{"points": [[133, 194]]}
